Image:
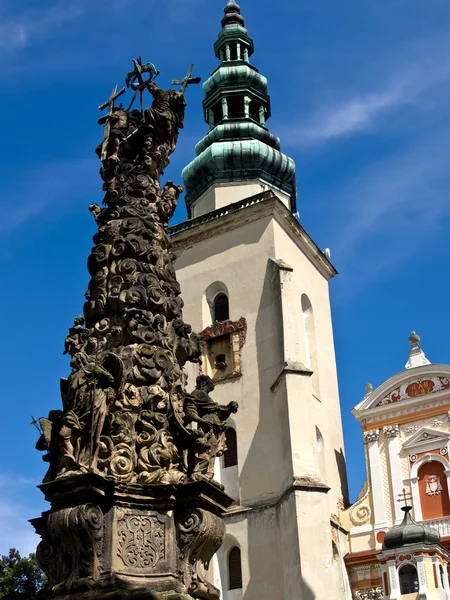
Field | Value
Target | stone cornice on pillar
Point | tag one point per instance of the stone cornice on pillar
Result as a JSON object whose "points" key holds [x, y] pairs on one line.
{"points": [[239, 214]]}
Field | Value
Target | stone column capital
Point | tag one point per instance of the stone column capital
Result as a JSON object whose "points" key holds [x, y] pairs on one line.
{"points": [[372, 435], [391, 431]]}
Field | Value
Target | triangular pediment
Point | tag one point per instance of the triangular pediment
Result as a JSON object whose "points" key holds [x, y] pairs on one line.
{"points": [[426, 436]]}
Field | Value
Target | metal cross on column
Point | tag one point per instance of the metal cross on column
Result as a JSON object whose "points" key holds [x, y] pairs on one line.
{"points": [[106, 119], [188, 80]]}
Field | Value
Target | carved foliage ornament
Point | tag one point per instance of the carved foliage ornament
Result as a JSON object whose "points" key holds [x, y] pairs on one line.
{"points": [[371, 436], [370, 594], [141, 540], [124, 403], [200, 536], [417, 388], [72, 548], [391, 431]]}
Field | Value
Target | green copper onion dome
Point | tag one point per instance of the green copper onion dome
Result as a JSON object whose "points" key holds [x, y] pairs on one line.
{"points": [[409, 532], [238, 146]]}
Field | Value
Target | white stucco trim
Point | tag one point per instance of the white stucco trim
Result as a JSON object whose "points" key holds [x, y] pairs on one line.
{"points": [[396, 476], [376, 482], [428, 458], [394, 582]]}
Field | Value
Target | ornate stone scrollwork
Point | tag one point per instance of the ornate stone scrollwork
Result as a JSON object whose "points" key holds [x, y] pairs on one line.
{"points": [[128, 436], [73, 549], [141, 540], [371, 436], [200, 535]]}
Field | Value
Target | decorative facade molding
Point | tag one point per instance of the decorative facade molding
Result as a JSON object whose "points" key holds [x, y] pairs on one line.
{"points": [[369, 594], [371, 436], [413, 389], [391, 430], [361, 512], [406, 410]]}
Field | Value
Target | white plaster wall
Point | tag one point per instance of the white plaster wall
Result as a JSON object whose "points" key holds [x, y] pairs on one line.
{"points": [[324, 413], [322, 575], [222, 194], [275, 431], [239, 258]]}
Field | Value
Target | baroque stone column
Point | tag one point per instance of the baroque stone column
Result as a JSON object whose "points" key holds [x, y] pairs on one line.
{"points": [[135, 511]]}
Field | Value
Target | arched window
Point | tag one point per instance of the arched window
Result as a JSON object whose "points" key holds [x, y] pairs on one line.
{"points": [[310, 342], [221, 308], [230, 458], [320, 454], [433, 490], [234, 569], [409, 582]]}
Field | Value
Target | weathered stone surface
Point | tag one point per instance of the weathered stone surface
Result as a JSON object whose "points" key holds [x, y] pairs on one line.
{"points": [[129, 441]]}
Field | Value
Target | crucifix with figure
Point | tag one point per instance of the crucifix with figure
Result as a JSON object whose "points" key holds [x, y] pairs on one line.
{"points": [[188, 80], [106, 119]]}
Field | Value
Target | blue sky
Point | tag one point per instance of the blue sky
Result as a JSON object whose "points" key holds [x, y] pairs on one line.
{"points": [[361, 100]]}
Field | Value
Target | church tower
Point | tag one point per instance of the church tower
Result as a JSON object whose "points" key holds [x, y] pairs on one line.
{"points": [[255, 285], [238, 157]]}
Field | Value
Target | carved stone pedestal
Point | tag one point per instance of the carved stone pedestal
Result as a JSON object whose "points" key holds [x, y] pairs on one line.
{"points": [[110, 540]]}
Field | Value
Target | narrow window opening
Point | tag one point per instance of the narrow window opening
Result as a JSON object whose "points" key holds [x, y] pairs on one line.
{"points": [[234, 52], [236, 107], [221, 308], [310, 343], [217, 112], [235, 569], [409, 582], [254, 111], [220, 362], [230, 458]]}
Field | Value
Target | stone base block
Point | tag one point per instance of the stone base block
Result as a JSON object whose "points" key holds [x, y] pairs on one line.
{"points": [[108, 540]]}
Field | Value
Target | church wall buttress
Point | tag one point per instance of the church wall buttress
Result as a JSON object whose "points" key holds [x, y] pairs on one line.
{"points": [[324, 411]]}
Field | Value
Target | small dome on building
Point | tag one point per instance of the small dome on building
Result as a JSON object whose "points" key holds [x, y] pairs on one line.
{"points": [[409, 532]]}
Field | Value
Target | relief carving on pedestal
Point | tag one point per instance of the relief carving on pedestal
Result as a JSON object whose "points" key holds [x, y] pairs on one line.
{"points": [[72, 548], [141, 540]]}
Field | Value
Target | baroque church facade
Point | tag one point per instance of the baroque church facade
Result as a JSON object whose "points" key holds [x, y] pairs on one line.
{"points": [[255, 285]]}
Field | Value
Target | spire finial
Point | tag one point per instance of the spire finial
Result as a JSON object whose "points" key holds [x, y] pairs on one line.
{"points": [[417, 356], [233, 15], [414, 339]]}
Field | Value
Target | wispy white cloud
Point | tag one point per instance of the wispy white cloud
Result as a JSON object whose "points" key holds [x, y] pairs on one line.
{"points": [[362, 111], [43, 188], [20, 30], [393, 207], [15, 530]]}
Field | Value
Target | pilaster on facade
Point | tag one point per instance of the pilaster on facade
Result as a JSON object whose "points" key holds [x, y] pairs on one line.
{"points": [[422, 576], [394, 582], [392, 433], [371, 438]]}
